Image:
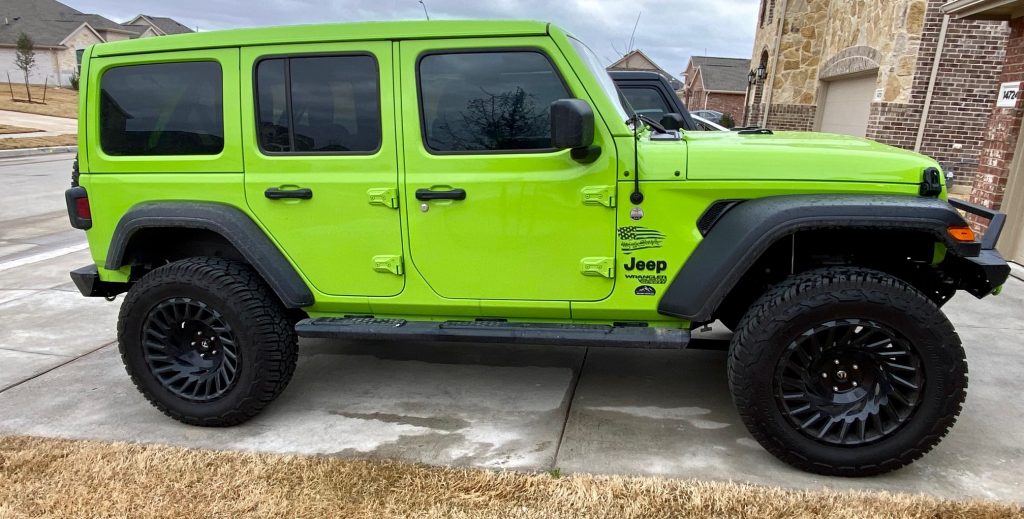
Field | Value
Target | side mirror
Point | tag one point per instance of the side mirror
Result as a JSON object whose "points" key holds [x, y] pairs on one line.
{"points": [[572, 124], [672, 121]]}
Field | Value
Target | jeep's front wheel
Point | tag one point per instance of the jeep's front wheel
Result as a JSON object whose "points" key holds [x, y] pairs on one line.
{"points": [[206, 341], [847, 372]]}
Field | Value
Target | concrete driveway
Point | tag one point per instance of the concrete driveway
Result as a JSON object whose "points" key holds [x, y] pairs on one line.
{"points": [[534, 408]]}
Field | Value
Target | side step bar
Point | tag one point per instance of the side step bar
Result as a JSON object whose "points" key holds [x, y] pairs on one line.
{"points": [[369, 328]]}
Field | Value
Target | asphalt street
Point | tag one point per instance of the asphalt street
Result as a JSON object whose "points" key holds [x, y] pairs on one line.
{"points": [[665, 413]]}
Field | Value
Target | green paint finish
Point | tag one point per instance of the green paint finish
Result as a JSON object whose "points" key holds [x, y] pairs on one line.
{"points": [[534, 228]]}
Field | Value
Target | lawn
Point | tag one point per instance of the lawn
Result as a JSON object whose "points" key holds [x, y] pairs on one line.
{"points": [[63, 478], [8, 129], [60, 102], [38, 142]]}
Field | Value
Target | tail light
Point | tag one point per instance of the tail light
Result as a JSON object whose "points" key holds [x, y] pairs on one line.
{"points": [[79, 211]]}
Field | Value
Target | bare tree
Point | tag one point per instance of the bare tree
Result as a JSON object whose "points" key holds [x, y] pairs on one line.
{"points": [[25, 59], [506, 120]]}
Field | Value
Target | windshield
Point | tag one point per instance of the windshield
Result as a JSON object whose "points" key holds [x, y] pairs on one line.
{"points": [[599, 72]]}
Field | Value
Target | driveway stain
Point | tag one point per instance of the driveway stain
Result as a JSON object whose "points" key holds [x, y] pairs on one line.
{"points": [[440, 423]]}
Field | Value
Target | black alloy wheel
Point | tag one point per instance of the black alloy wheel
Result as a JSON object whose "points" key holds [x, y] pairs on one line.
{"points": [[849, 382], [190, 349]]}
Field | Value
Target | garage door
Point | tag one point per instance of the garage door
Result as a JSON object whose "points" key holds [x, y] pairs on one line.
{"points": [[847, 105]]}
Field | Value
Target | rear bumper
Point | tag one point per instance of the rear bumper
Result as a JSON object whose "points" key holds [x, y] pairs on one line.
{"points": [[88, 281]]}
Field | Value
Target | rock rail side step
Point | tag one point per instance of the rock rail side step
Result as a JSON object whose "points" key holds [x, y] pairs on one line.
{"points": [[369, 328]]}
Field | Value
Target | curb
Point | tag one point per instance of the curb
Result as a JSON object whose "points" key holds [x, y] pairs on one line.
{"points": [[28, 152], [1016, 270]]}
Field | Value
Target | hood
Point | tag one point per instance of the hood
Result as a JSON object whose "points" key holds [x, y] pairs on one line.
{"points": [[800, 156]]}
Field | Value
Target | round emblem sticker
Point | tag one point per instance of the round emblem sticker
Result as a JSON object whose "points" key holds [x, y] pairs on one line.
{"points": [[636, 214]]}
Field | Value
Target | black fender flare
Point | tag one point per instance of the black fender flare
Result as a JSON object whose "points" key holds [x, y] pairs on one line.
{"points": [[740, 236], [231, 223]]}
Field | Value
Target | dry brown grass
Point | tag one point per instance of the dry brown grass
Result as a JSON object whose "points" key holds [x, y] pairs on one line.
{"points": [[60, 478], [38, 142], [6, 128], [60, 102]]}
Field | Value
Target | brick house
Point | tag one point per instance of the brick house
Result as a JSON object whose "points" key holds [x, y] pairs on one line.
{"points": [[718, 84], [1000, 180], [61, 32], [637, 60], [869, 68]]}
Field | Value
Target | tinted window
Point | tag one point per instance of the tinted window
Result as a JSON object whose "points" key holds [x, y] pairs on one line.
{"points": [[488, 101], [319, 104], [162, 109], [647, 101]]}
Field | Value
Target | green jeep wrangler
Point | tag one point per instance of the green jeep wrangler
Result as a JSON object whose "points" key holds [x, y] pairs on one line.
{"points": [[484, 182]]}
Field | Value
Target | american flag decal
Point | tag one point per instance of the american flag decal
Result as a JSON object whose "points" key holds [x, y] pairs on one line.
{"points": [[634, 238]]}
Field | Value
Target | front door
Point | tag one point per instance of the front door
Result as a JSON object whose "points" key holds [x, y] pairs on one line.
{"points": [[493, 211], [321, 173]]}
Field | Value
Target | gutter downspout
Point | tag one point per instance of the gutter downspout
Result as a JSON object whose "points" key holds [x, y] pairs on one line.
{"points": [[931, 83], [775, 63]]}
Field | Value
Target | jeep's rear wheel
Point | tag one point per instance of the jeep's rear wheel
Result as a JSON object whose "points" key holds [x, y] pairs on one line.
{"points": [[206, 341], [847, 371]]}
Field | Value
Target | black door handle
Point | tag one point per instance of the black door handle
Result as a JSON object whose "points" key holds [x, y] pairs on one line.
{"points": [[429, 194], [303, 193]]}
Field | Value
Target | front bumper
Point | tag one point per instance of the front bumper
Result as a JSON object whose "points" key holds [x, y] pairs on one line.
{"points": [[988, 271], [88, 281]]}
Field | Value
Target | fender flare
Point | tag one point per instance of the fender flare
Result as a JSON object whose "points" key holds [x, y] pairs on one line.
{"points": [[742, 234], [227, 221]]}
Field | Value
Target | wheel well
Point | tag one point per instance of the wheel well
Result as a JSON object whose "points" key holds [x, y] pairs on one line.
{"points": [[907, 254], [155, 246]]}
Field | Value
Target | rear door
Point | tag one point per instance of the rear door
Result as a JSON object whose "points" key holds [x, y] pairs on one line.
{"points": [[321, 169], [501, 214]]}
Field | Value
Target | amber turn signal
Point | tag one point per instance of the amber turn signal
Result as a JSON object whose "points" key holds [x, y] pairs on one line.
{"points": [[961, 233]]}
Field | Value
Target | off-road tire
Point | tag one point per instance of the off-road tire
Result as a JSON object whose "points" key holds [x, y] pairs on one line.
{"points": [[802, 302], [265, 339]]}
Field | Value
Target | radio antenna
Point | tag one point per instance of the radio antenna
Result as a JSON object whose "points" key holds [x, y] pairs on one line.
{"points": [[425, 13]]}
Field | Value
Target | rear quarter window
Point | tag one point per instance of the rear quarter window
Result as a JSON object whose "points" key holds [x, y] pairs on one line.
{"points": [[162, 109]]}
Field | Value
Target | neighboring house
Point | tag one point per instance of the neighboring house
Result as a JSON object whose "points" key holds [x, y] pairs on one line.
{"points": [[162, 26], [60, 33], [637, 60], [867, 68], [718, 84]]}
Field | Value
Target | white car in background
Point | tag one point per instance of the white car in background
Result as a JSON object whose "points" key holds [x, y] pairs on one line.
{"points": [[707, 125]]}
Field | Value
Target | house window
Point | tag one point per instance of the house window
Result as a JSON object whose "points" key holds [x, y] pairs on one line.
{"points": [[162, 109], [488, 101], [767, 11], [319, 104]]}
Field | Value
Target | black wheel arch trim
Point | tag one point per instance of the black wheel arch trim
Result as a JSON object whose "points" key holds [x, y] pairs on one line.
{"points": [[745, 231], [231, 223]]}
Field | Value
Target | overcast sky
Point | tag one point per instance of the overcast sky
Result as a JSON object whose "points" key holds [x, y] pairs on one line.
{"points": [[670, 31]]}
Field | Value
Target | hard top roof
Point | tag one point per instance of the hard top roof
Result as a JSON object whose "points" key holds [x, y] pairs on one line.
{"points": [[400, 30]]}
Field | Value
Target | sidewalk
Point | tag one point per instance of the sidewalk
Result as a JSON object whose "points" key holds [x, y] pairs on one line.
{"points": [[49, 125]]}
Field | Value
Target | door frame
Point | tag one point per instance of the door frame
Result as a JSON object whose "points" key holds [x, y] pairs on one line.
{"points": [[1011, 241]]}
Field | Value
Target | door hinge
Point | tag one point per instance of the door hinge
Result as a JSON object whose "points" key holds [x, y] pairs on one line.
{"points": [[603, 267], [599, 195], [385, 196], [388, 263]]}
